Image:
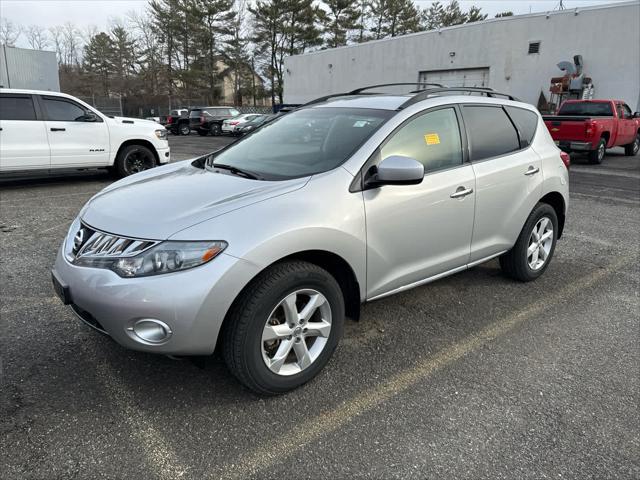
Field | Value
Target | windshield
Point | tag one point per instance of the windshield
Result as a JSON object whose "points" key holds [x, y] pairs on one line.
{"points": [[590, 109], [303, 142]]}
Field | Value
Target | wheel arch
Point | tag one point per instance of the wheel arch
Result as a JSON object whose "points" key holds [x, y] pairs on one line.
{"points": [[556, 200], [138, 141]]}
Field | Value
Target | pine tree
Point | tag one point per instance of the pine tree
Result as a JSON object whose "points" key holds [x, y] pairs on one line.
{"points": [[97, 61], [122, 58], [339, 18], [475, 15]]}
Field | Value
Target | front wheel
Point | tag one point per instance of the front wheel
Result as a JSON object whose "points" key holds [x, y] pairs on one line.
{"points": [[284, 327], [133, 159], [633, 148], [532, 253], [184, 129], [596, 156]]}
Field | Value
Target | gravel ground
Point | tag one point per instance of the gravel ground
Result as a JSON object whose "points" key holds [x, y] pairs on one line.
{"points": [[474, 376]]}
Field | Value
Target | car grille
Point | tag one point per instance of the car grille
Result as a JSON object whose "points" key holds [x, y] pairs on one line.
{"points": [[89, 242]]}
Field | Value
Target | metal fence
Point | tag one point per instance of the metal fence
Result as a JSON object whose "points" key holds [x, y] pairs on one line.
{"points": [[107, 105]]}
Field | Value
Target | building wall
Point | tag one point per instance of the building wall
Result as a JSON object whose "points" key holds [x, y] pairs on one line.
{"points": [[607, 37], [32, 69]]}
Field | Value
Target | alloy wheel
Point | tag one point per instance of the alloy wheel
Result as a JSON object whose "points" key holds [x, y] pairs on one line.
{"points": [[601, 152], [540, 243], [138, 160], [296, 332]]}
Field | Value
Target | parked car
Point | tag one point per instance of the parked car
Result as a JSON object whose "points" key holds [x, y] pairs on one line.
{"points": [[252, 124], [208, 120], [230, 125], [264, 246], [47, 130], [177, 122], [592, 126]]}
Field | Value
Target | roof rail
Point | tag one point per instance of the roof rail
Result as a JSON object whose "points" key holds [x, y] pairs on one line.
{"points": [[424, 94], [361, 91], [357, 91]]}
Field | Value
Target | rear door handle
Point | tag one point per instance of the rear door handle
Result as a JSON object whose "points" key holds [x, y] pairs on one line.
{"points": [[58, 129], [461, 192], [532, 170]]}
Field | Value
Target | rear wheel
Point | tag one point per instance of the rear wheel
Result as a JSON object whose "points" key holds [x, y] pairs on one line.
{"points": [[184, 129], [532, 253], [633, 148], [596, 156], [284, 327], [215, 129], [133, 159]]}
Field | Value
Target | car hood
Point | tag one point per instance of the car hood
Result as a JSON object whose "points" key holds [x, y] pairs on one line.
{"points": [[160, 202]]}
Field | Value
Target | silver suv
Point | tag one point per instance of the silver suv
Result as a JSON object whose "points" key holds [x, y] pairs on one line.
{"points": [[262, 248]]}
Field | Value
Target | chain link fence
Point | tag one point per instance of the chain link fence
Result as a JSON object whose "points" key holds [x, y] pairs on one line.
{"points": [[107, 105]]}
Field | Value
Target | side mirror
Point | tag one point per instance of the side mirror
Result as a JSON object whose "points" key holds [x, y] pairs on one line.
{"points": [[88, 116], [397, 170], [636, 115]]}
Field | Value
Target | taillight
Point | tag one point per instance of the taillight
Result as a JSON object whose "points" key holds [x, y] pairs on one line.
{"points": [[202, 119], [589, 128], [233, 123], [169, 119], [566, 159]]}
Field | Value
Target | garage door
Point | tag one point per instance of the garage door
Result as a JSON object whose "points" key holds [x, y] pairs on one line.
{"points": [[467, 77]]}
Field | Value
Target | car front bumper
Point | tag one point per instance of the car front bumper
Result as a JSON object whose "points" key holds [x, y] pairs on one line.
{"points": [[192, 303], [164, 155]]}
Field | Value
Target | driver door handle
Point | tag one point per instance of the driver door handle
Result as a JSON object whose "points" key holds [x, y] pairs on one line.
{"points": [[532, 170], [58, 129], [461, 192]]}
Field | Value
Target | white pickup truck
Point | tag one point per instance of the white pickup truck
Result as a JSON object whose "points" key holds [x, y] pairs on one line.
{"points": [[49, 130]]}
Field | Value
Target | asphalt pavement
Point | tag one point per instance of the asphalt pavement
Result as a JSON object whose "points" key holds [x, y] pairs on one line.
{"points": [[474, 376]]}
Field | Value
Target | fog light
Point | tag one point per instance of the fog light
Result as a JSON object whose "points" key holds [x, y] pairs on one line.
{"points": [[150, 330]]}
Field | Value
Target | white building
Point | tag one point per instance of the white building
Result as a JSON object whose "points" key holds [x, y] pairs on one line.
{"points": [[516, 55], [30, 69]]}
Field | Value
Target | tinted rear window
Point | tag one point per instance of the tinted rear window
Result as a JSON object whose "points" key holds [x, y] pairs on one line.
{"points": [[526, 121], [590, 109], [491, 133], [14, 107]]}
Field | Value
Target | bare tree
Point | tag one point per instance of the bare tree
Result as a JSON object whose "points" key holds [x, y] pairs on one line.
{"points": [[37, 37], [71, 44], [57, 41], [9, 32]]}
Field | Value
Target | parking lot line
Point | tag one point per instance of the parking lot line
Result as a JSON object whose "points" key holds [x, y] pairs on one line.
{"points": [[327, 422], [161, 458]]}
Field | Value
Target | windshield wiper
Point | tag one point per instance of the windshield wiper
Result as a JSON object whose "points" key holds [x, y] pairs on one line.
{"points": [[236, 171]]}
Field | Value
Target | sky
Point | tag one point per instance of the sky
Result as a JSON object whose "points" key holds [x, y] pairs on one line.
{"points": [[101, 13]]}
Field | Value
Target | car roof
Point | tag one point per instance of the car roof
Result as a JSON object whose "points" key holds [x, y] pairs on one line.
{"points": [[394, 102], [34, 92]]}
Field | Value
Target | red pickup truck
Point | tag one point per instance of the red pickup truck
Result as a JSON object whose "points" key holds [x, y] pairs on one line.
{"points": [[592, 126]]}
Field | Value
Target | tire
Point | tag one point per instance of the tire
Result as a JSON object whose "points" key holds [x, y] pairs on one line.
{"points": [[184, 129], [633, 148], [596, 156], [133, 159], [215, 129], [517, 262], [252, 360]]}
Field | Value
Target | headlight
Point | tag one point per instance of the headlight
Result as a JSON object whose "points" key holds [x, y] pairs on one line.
{"points": [[161, 134], [166, 257]]}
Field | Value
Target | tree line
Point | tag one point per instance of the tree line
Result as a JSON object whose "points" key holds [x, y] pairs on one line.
{"points": [[177, 51]]}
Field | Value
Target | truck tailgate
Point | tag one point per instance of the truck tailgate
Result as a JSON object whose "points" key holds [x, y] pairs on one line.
{"points": [[566, 128]]}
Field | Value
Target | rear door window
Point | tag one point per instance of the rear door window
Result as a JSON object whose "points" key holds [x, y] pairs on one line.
{"points": [[490, 132], [17, 107], [526, 121]]}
